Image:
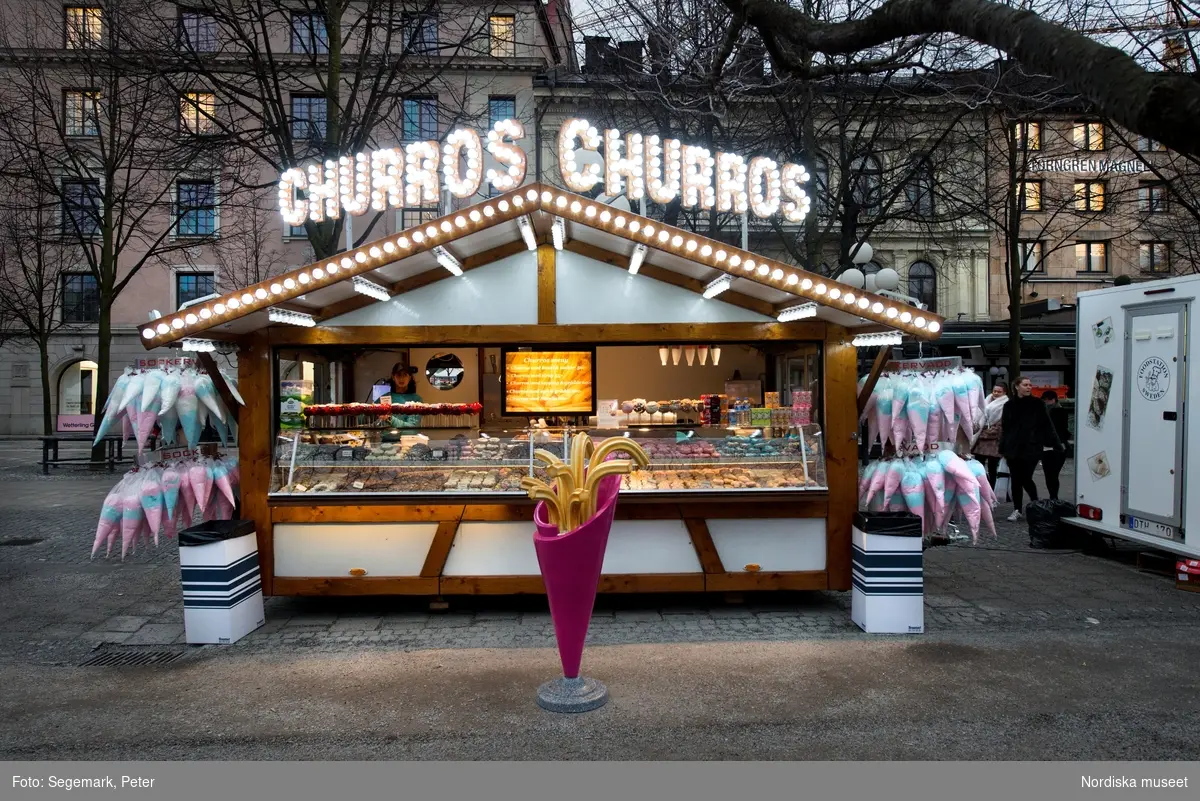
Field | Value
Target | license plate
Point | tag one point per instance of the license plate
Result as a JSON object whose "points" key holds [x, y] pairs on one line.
{"points": [[1152, 528]]}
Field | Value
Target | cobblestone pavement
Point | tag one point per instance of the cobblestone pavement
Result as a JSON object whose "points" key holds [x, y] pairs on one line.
{"points": [[61, 605]]}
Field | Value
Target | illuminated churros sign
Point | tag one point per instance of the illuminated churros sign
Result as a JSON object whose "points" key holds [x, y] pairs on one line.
{"points": [[633, 165]]}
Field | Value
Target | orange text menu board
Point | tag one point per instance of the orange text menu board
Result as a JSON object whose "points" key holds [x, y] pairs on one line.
{"points": [[548, 382]]}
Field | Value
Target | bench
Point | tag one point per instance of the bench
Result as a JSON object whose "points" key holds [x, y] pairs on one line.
{"points": [[113, 449]]}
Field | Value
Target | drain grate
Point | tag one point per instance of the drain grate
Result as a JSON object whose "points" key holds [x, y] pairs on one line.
{"points": [[130, 658], [16, 541]]}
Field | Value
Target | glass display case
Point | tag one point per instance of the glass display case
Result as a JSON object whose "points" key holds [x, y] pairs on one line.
{"points": [[355, 461]]}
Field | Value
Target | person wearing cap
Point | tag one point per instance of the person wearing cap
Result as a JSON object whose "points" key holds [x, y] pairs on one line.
{"points": [[404, 390]]}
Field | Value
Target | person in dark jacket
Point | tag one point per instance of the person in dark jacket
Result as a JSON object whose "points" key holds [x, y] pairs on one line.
{"points": [[1053, 460], [1025, 429]]}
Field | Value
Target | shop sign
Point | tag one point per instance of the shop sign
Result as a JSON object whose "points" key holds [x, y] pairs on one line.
{"points": [[150, 364], [75, 422], [1127, 167], [633, 165]]}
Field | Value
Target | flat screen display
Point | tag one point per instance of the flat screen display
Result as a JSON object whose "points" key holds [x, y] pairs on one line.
{"points": [[549, 381]]}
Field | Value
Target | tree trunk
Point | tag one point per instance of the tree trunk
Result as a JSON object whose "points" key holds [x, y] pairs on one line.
{"points": [[44, 365], [103, 347]]}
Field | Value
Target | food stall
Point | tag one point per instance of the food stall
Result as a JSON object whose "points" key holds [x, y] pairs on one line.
{"points": [[523, 319]]}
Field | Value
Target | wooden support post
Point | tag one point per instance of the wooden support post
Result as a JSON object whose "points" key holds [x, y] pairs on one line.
{"points": [[256, 443], [547, 285], [219, 384], [841, 453], [864, 395]]}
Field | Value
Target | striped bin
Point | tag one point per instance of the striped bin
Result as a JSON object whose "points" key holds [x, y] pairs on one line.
{"points": [[888, 595], [222, 584]]}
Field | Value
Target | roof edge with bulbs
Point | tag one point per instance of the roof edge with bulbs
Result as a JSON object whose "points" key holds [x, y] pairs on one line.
{"points": [[508, 207]]}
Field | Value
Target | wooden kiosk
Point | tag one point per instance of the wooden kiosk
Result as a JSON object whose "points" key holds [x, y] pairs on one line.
{"points": [[534, 268]]}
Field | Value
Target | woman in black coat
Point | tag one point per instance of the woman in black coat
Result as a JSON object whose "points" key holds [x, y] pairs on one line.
{"points": [[1025, 430]]}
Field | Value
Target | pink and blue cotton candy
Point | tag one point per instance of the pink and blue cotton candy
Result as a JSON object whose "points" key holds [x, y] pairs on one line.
{"points": [[917, 410], [900, 391], [912, 488]]}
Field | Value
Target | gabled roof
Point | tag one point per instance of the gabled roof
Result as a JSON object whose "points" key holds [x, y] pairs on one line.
{"points": [[489, 231]]}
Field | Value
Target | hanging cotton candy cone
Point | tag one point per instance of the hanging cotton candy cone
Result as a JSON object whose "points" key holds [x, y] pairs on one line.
{"points": [[147, 419], [150, 387], [171, 480], [188, 407], [222, 430], [201, 484], [133, 390], [223, 483], [169, 391], [187, 495], [110, 519], [152, 500], [169, 527], [131, 519], [168, 423], [127, 427], [207, 394], [112, 408]]}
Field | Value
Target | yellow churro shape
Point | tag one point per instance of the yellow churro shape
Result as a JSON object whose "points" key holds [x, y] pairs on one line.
{"points": [[598, 474], [615, 444]]}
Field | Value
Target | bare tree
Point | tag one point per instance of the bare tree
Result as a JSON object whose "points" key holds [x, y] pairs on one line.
{"points": [[312, 80], [96, 137], [1164, 106], [34, 261]]}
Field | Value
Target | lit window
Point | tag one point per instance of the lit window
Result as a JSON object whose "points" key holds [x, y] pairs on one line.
{"points": [[503, 31], [196, 112], [1031, 256], [196, 208], [1031, 197], [84, 27], [1155, 257], [80, 298], [1091, 257], [1089, 135], [192, 286], [82, 113], [1028, 135], [1152, 197], [309, 34], [81, 208], [1089, 195], [198, 31]]}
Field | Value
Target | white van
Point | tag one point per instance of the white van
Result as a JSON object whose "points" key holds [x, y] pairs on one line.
{"points": [[1135, 442]]}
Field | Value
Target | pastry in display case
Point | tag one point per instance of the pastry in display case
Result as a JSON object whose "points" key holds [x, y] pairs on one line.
{"points": [[389, 461]]}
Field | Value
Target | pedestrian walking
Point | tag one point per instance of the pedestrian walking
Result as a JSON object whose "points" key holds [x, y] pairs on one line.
{"points": [[1052, 459], [1025, 431], [985, 446]]}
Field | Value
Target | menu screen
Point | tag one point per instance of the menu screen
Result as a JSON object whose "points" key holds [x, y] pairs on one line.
{"points": [[549, 382]]}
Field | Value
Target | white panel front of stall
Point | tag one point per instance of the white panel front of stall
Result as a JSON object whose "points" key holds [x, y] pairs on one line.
{"points": [[773, 545], [650, 546], [334, 549], [493, 549], [501, 293], [592, 292]]}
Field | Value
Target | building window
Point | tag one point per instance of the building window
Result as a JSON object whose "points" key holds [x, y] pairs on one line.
{"points": [[198, 31], [309, 34], [412, 217], [193, 286], [196, 208], [868, 180], [503, 34], [1152, 197], [81, 113], [80, 298], [84, 27], [81, 208], [420, 32], [501, 108], [308, 119], [1155, 257], [420, 119], [922, 284], [920, 188], [1148, 145], [1089, 135], [1091, 257], [1089, 195], [1028, 135], [1031, 256], [1030, 198], [196, 112]]}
